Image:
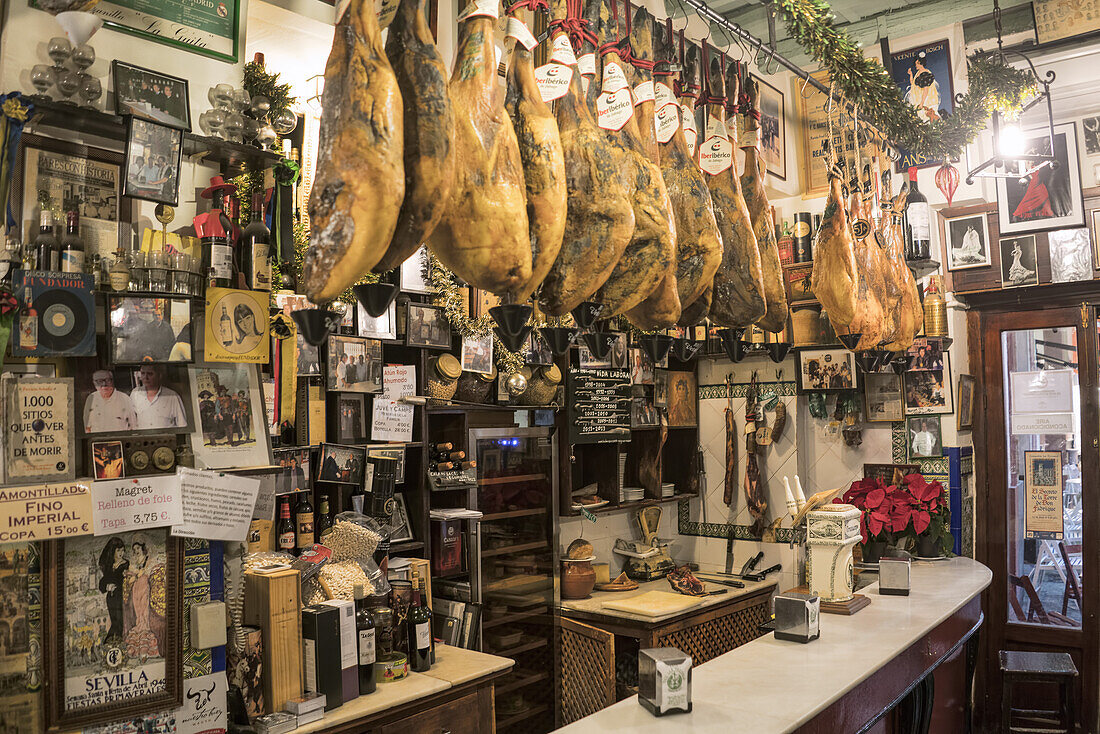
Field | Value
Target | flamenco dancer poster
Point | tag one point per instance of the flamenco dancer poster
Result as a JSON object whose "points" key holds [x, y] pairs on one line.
{"points": [[1050, 197], [924, 76]]}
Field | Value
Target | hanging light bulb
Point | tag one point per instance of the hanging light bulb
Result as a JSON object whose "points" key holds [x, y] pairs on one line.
{"points": [[1010, 141]]}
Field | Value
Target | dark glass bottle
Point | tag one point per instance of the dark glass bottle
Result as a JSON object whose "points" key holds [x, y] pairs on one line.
{"points": [[46, 248], [71, 258], [448, 455], [303, 521], [324, 518], [254, 249], [918, 235], [366, 641], [284, 530], [419, 631], [218, 246], [803, 238]]}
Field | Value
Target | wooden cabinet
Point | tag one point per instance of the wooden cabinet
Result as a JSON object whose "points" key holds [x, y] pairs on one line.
{"points": [[470, 714]]}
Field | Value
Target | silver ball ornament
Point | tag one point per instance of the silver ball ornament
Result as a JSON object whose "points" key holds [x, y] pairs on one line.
{"points": [[516, 384]]}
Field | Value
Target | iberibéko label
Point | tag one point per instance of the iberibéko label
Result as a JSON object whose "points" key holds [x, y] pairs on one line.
{"points": [[518, 30], [614, 78], [553, 80], [386, 12], [563, 51], [643, 92], [666, 116], [687, 120], [715, 155], [615, 105], [715, 127]]}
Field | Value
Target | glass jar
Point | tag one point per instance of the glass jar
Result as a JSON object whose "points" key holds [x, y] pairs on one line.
{"points": [[120, 271], [475, 387], [443, 374], [542, 385]]}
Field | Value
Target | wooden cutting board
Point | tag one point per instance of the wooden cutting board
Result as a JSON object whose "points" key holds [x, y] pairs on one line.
{"points": [[654, 603]]}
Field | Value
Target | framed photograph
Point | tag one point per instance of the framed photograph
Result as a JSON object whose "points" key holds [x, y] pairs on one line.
{"points": [[137, 399], [309, 361], [144, 329], [153, 156], [967, 244], [925, 354], [1095, 217], [237, 326], [151, 95], [61, 317], [354, 364], [414, 272], [39, 441], [538, 351], [928, 392], [113, 616], [1070, 255], [107, 460], [643, 414], [401, 526], [342, 464], [1050, 198], [294, 470], [377, 327], [231, 430], [924, 76], [821, 370], [890, 473], [882, 396], [923, 437], [477, 354], [1019, 265], [390, 451], [1090, 132], [54, 175], [641, 369], [683, 410], [965, 412], [1044, 504], [351, 417], [427, 327], [1056, 20], [773, 130], [660, 388]]}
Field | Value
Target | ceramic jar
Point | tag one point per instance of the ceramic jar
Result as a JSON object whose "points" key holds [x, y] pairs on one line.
{"points": [[831, 533], [476, 387], [443, 372], [577, 578]]}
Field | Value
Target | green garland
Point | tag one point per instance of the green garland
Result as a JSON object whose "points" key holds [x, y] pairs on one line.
{"points": [[864, 82], [258, 80]]}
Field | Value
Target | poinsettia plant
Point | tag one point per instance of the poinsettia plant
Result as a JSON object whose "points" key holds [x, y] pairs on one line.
{"points": [[876, 501], [923, 504]]}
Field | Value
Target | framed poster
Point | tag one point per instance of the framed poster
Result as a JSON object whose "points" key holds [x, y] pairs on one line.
{"points": [[39, 429], [50, 174], [237, 326], [148, 329], [964, 414], [883, 397], [1070, 255], [1019, 263], [206, 28], [967, 243], [60, 316], [113, 617], [1058, 19], [682, 405], [230, 428], [821, 370], [924, 437], [928, 391], [773, 129], [1050, 198], [924, 76], [1044, 514], [151, 95], [153, 156], [814, 135]]}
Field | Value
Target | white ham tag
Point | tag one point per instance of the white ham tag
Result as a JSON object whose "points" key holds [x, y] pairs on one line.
{"points": [[563, 51], [614, 109], [667, 116], [482, 8], [691, 133], [613, 78], [518, 30], [716, 127], [643, 92], [715, 155], [587, 64], [553, 80], [750, 139], [386, 12]]}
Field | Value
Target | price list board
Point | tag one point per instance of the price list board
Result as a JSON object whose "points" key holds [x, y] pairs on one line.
{"points": [[599, 405]]}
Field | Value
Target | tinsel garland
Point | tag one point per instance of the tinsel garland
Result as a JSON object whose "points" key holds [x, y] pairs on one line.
{"points": [[864, 82], [448, 294]]}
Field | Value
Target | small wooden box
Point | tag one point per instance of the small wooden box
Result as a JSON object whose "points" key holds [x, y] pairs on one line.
{"points": [[272, 603], [424, 571], [796, 278]]}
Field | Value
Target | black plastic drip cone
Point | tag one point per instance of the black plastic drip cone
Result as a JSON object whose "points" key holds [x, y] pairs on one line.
{"points": [[559, 338], [511, 318], [316, 324], [375, 298], [586, 314], [655, 346]]}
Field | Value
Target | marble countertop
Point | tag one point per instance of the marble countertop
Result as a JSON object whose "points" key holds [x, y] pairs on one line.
{"points": [[594, 603], [769, 686], [453, 666]]}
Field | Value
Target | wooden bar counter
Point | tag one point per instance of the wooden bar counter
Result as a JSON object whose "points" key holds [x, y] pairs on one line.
{"points": [[859, 670]]}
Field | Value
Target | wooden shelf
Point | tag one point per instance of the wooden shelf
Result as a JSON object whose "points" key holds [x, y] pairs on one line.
{"points": [[521, 648], [521, 716], [570, 512], [406, 546], [514, 513], [521, 681], [519, 548], [513, 479], [476, 407], [511, 618], [922, 268]]}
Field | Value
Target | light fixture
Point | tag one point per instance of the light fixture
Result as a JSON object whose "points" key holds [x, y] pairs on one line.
{"points": [[1011, 156], [314, 101]]}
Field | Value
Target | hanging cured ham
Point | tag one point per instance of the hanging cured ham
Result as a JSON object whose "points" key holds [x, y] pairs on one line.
{"points": [[429, 131], [738, 295], [540, 150], [661, 308], [698, 242], [834, 279], [483, 236], [360, 181], [910, 311], [600, 216], [755, 497], [870, 317], [752, 185], [645, 261]]}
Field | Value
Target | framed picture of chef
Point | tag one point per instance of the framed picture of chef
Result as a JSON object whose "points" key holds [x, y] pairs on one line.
{"points": [[966, 241], [924, 437], [1049, 197]]}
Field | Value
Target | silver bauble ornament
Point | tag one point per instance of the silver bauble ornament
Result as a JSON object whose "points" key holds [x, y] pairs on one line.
{"points": [[516, 384]]}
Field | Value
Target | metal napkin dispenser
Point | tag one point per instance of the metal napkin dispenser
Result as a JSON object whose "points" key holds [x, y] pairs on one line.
{"points": [[664, 680], [797, 616], [893, 576]]}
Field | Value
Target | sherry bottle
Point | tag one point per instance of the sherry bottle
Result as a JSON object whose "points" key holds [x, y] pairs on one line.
{"points": [[324, 518], [419, 630], [254, 249], [303, 520], [918, 235], [365, 633], [72, 247], [28, 322], [225, 327], [284, 531], [47, 250]]}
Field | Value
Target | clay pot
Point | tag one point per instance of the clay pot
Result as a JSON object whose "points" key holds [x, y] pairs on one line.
{"points": [[577, 578]]}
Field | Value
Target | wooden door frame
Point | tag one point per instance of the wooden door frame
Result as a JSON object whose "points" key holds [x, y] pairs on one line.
{"points": [[984, 326]]}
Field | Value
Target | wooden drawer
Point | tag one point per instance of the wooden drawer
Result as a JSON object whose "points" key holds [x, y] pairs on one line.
{"points": [[461, 716]]}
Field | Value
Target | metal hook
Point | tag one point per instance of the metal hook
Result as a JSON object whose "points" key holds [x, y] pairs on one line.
{"points": [[802, 90]]}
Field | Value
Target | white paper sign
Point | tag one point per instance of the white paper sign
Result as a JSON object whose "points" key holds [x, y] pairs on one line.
{"points": [[216, 506], [122, 505], [518, 30], [1042, 423], [1042, 391], [204, 705], [391, 420]]}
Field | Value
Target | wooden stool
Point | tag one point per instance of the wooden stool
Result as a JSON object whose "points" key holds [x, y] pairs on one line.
{"points": [[1039, 667]]}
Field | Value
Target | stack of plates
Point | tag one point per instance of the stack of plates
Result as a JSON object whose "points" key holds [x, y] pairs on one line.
{"points": [[668, 489], [633, 494]]}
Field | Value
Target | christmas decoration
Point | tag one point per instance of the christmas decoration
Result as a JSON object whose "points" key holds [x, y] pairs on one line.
{"points": [[947, 180], [516, 384]]}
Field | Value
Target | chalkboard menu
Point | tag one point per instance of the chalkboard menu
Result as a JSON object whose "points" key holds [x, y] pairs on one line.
{"points": [[599, 405]]}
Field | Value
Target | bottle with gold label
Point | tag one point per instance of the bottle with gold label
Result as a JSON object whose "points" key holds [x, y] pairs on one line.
{"points": [[803, 238], [935, 309]]}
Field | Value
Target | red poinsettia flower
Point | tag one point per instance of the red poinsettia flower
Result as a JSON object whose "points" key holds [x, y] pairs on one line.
{"points": [[921, 519]]}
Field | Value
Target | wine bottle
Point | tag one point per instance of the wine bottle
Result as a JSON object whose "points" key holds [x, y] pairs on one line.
{"points": [[225, 326], [419, 630], [443, 446], [285, 529], [449, 456], [72, 247], [303, 520], [324, 518], [365, 633], [918, 237], [254, 249], [28, 322], [47, 250]]}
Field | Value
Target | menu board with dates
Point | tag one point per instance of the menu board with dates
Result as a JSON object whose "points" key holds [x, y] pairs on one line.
{"points": [[599, 402]]}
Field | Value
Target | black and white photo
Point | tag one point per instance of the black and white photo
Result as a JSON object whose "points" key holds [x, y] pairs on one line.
{"points": [[1019, 265], [967, 242], [149, 329], [1070, 255], [151, 95], [1049, 197], [427, 326], [354, 364], [883, 397], [153, 156]]}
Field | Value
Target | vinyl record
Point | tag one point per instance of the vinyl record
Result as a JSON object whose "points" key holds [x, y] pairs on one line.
{"points": [[63, 319]]}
